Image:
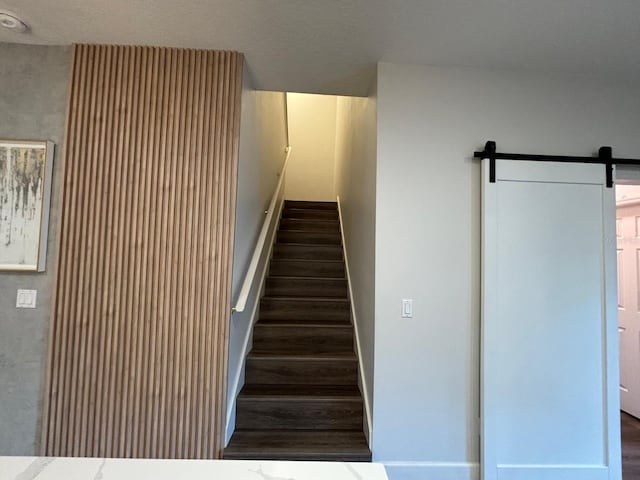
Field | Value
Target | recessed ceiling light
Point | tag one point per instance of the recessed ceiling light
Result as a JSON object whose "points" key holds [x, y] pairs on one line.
{"points": [[13, 23]]}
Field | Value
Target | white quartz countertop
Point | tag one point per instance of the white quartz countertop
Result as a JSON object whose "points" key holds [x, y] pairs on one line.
{"points": [[53, 468]]}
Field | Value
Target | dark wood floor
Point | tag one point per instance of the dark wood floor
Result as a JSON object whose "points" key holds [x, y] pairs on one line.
{"points": [[630, 447]]}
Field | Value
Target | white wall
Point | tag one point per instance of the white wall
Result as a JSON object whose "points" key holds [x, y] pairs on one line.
{"points": [[356, 190], [312, 135], [430, 120], [263, 141]]}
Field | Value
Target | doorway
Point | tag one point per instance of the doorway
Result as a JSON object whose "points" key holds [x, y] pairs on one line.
{"points": [[628, 263]]}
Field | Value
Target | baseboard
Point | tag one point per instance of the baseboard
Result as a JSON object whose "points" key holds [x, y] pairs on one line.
{"points": [[363, 380], [238, 383], [432, 471], [231, 423]]}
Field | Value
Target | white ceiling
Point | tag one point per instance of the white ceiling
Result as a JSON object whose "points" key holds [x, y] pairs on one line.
{"points": [[331, 46]]}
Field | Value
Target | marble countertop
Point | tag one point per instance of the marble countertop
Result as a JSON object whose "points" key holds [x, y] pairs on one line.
{"points": [[53, 468]]}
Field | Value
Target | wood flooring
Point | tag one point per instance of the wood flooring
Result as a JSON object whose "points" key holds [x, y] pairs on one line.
{"points": [[630, 427]]}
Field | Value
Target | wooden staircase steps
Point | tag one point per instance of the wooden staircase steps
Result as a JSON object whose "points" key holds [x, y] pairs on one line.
{"points": [[304, 309], [296, 338], [302, 251], [308, 213], [284, 267], [309, 237], [301, 399], [299, 407], [307, 369], [310, 225], [314, 445], [306, 287]]}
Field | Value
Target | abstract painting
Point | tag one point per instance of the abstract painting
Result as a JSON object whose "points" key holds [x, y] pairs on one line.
{"points": [[25, 189]]}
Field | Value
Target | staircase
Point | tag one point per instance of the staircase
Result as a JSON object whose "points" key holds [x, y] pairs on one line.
{"points": [[301, 399]]}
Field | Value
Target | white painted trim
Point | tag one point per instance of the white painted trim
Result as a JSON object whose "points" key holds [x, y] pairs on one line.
{"points": [[235, 385], [254, 310], [363, 380], [46, 207], [260, 244], [432, 470], [231, 427], [612, 337]]}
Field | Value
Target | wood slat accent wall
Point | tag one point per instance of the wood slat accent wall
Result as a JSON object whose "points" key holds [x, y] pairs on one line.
{"points": [[138, 349]]}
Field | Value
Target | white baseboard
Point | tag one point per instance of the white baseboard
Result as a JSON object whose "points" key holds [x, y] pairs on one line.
{"points": [[363, 380], [231, 423], [432, 471], [237, 382]]}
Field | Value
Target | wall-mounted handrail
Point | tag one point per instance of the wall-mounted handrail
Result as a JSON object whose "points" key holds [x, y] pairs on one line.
{"points": [[260, 244]]}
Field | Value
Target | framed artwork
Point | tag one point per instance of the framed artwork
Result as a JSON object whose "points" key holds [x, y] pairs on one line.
{"points": [[26, 168]]}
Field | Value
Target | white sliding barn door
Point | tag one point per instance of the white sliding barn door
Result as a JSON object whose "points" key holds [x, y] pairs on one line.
{"points": [[550, 405]]}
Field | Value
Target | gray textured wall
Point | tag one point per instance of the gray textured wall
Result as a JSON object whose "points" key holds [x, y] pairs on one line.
{"points": [[33, 97]]}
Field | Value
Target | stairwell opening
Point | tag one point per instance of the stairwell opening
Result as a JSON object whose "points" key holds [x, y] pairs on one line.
{"points": [[300, 363]]}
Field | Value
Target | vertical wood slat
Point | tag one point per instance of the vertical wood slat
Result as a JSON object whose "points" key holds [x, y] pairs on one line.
{"points": [[138, 338]]}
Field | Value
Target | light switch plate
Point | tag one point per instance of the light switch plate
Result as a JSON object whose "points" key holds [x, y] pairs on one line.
{"points": [[26, 298], [407, 308]]}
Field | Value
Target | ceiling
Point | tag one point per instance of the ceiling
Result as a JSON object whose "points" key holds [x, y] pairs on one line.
{"points": [[332, 46]]}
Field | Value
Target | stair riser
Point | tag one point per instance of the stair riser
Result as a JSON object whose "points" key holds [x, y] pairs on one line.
{"points": [[294, 268], [313, 238], [302, 340], [310, 225], [275, 309], [299, 414], [305, 287], [331, 206], [310, 214], [294, 456], [301, 372], [307, 252], [331, 445]]}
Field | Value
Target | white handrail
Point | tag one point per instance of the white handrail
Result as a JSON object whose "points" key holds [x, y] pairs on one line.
{"points": [[241, 303]]}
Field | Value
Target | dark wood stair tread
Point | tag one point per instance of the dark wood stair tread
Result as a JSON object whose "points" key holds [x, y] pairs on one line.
{"points": [[306, 224], [308, 299], [301, 392], [309, 245], [306, 287], [300, 322], [309, 238], [312, 445], [318, 225], [308, 261], [299, 357], [283, 368], [284, 267], [310, 309], [310, 213], [314, 337], [307, 325], [313, 205], [306, 279], [307, 251]]}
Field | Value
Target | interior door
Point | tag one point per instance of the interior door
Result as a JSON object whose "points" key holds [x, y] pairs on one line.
{"points": [[628, 238], [549, 395]]}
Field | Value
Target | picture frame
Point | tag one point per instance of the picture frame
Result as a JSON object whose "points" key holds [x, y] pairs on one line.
{"points": [[26, 171]]}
